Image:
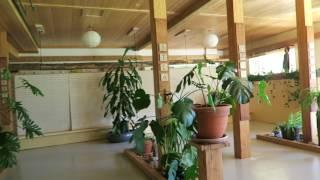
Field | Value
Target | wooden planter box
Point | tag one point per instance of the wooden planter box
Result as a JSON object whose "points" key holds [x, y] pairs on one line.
{"points": [[285, 142], [2, 173], [143, 165]]}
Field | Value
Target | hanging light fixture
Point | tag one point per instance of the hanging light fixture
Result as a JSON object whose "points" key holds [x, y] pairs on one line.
{"points": [[91, 38], [210, 40]]}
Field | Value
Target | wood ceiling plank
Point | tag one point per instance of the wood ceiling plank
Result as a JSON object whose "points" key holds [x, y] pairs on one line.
{"points": [[18, 31], [188, 12]]}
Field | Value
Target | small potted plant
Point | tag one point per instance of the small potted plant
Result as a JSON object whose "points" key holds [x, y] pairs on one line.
{"points": [[148, 146], [220, 92], [291, 129], [123, 97]]}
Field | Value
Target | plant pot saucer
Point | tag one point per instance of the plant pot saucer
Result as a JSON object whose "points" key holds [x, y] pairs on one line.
{"points": [[211, 141]]}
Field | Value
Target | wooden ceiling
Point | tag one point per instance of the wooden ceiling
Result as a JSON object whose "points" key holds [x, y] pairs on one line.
{"points": [[64, 21]]}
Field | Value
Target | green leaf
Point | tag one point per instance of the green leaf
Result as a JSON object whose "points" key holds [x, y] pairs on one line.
{"points": [[189, 156], [159, 101], [240, 90], [139, 136], [9, 147], [226, 71], [158, 131], [191, 173], [35, 91], [5, 74], [141, 100], [262, 95], [173, 168], [182, 109]]}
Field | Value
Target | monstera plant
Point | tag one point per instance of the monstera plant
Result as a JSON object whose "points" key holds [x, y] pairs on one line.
{"points": [[9, 142], [173, 134], [220, 92], [124, 97]]}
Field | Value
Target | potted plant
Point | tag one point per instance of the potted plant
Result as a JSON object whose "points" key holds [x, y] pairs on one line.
{"points": [[292, 127], [174, 132], [220, 92], [148, 146], [9, 142], [123, 97]]}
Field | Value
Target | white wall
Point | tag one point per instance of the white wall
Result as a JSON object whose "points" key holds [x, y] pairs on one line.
{"points": [[73, 101]]}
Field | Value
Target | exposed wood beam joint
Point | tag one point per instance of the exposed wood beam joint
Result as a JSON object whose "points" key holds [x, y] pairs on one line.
{"points": [[52, 5], [187, 13]]}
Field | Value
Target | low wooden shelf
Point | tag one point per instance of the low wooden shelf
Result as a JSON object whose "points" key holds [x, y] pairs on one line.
{"points": [[143, 165], [285, 142], [2, 173]]}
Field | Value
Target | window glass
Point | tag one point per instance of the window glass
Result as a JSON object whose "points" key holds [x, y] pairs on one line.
{"points": [[272, 62]]}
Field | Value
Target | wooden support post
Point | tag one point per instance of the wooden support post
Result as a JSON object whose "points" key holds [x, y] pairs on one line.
{"points": [[6, 117], [237, 54], [210, 160], [159, 37], [307, 62]]}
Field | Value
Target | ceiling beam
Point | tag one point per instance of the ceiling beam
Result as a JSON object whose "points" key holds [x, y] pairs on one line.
{"points": [[277, 41], [18, 31], [95, 59], [185, 14], [52, 5]]}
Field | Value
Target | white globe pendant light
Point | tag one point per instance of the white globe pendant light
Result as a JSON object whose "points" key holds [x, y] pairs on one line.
{"points": [[91, 39], [210, 40]]}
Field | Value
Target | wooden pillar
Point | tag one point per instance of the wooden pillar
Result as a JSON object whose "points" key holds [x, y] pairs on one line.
{"points": [[210, 160], [159, 38], [307, 63], [237, 54], [5, 86]]}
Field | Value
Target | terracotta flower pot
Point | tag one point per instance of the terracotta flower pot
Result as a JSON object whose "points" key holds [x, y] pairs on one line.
{"points": [[212, 124], [148, 145]]}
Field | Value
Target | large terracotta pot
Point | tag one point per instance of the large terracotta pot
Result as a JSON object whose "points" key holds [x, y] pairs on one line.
{"points": [[148, 145], [212, 124]]}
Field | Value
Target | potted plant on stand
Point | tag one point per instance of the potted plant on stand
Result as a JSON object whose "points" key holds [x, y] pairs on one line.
{"points": [[123, 97], [220, 93], [173, 133]]}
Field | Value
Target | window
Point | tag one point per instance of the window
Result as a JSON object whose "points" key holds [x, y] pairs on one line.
{"points": [[271, 62]]}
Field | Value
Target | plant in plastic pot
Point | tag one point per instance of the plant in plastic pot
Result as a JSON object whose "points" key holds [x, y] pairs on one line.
{"points": [[220, 92], [123, 98]]}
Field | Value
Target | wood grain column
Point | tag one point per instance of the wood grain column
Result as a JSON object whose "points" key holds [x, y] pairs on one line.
{"points": [[159, 38], [5, 86], [237, 54], [307, 62]]}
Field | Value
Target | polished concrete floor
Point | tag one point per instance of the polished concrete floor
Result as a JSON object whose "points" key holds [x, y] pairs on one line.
{"points": [[101, 161]]}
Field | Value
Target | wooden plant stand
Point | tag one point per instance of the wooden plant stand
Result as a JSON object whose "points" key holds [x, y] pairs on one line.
{"points": [[210, 160]]}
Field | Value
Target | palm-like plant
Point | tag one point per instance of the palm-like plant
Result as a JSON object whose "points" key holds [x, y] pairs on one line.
{"points": [[123, 96], [9, 142]]}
